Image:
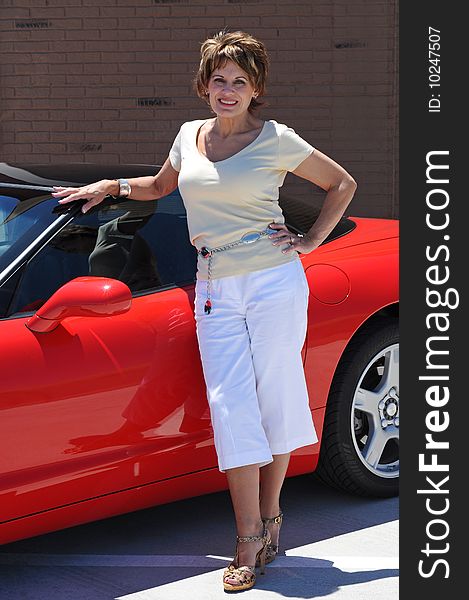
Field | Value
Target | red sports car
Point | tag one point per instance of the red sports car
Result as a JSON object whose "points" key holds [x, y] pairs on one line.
{"points": [[102, 400]]}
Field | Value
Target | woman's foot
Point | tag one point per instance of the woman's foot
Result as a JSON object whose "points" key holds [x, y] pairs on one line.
{"points": [[273, 525], [250, 552]]}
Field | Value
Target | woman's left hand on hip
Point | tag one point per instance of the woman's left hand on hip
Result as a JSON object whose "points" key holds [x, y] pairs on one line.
{"points": [[299, 242]]}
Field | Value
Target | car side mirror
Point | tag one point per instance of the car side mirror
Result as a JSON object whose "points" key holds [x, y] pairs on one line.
{"points": [[82, 297]]}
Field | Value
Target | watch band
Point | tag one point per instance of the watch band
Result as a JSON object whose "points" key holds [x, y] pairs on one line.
{"points": [[124, 188]]}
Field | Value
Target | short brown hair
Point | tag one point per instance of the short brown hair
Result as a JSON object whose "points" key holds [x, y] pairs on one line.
{"points": [[248, 53]]}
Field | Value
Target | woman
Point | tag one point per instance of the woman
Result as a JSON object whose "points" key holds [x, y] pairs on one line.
{"points": [[251, 290]]}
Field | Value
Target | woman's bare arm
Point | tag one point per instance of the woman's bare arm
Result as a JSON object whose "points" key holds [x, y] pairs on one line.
{"points": [[340, 187], [143, 188]]}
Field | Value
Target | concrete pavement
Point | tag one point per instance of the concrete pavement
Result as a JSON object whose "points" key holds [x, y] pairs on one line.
{"points": [[332, 544]]}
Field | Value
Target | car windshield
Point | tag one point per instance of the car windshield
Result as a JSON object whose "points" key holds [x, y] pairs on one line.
{"points": [[24, 214]]}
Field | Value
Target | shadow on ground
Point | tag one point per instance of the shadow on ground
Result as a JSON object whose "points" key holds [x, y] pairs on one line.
{"points": [[198, 526]]}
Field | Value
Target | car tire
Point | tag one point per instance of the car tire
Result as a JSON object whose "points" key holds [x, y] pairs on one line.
{"points": [[360, 440]]}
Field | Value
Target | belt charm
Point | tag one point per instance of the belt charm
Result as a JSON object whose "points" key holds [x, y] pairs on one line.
{"points": [[207, 253], [207, 306]]}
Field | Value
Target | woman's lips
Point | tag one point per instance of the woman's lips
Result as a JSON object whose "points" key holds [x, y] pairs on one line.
{"points": [[230, 103]]}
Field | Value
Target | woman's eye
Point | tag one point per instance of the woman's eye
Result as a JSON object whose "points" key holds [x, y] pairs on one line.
{"points": [[236, 82]]}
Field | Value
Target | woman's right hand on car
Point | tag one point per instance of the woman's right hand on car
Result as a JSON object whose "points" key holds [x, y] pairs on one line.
{"points": [[94, 192]]}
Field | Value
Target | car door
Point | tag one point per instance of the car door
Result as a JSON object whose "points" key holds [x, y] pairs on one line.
{"points": [[103, 404]]}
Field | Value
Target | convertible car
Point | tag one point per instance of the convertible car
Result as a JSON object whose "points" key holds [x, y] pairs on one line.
{"points": [[103, 407]]}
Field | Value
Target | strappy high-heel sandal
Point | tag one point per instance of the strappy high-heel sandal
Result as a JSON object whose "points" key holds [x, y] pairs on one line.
{"points": [[272, 549], [245, 575]]}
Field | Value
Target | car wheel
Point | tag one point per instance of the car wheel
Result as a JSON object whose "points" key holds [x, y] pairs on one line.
{"points": [[360, 440]]}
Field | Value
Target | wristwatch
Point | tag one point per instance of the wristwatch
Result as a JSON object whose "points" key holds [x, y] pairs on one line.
{"points": [[124, 188]]}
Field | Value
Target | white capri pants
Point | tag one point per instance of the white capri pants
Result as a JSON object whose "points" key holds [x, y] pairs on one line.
{"points": [[250, 346]]}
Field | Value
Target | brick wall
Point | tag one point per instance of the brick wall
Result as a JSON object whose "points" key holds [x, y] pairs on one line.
{"points": [[109, 81]]}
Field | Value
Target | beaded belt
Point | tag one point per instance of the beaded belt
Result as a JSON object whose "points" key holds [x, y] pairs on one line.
{"points": [[207, 253]]}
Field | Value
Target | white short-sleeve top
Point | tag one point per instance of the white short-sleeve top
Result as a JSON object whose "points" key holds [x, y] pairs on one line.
{"points": [[228, 198]]}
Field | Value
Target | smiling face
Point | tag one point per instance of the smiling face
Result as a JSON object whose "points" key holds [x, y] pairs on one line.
{"points": [[230, 90]]}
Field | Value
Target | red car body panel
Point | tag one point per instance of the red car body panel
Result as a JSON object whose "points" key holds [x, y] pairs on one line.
{"points": [[68, 396]]}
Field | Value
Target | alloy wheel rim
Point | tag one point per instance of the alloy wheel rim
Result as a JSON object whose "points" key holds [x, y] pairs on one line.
{"points": [[375, 414]]}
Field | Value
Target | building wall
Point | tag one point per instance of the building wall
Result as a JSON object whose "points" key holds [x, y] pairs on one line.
{"points": [[109, 81]]}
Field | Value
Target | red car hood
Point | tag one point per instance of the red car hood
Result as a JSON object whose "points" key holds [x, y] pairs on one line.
{"points": [[367, 230], [376, 229]]}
